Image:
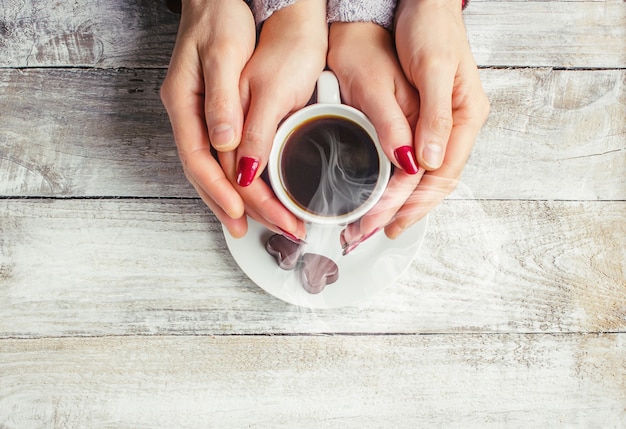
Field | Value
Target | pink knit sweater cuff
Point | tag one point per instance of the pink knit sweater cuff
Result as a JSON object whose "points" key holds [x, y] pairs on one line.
{"points": [[263, 9], [377, 11]]}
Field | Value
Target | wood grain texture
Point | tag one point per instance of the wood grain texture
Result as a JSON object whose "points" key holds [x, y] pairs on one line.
{"points": [[86, 133], [120, 267], [122, 312], [141, 33], [315, 382], [82, 33], [584, 34], [552, 134]]}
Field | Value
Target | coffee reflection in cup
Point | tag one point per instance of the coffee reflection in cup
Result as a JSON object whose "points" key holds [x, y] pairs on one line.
{"points": [[329, 166]]}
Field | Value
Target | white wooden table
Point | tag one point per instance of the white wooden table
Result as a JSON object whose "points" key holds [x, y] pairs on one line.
{"points": [[120, 305]]}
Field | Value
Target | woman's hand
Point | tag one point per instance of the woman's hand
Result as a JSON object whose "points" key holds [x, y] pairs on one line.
{"points": [[427, 118], [363, 57], [279, 79]]}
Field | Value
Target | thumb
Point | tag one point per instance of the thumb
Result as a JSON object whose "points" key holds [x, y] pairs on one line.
{"points": [[222, 105], [435, 118]]}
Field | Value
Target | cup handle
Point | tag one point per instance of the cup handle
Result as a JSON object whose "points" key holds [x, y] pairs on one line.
{"points": [[328, 88]]}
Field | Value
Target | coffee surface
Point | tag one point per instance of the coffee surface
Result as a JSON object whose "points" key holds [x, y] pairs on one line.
{"points": [[329, 166]]}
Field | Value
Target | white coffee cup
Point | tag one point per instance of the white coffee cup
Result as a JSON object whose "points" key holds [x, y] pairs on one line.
{"points": [[326, 165]]}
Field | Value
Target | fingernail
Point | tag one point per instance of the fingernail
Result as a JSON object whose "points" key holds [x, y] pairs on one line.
{"points": [[348, 236], [369, 235], [349, 247], [246, 170], [222, 135], [433, 155], [405, 157], [342, 239], [289, 236]]}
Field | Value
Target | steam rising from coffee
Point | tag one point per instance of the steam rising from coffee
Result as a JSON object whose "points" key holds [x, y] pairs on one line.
{"points": [[330, 166], [341, 188]]}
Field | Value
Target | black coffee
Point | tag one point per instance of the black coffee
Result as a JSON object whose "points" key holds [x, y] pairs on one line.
{"points": [[329, 166]]}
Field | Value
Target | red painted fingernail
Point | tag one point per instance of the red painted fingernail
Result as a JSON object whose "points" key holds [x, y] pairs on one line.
{"points": [[246, 170], [289, 236], [342, 239], [348, 237], [349, 247], [405, 157], [370, 234]]}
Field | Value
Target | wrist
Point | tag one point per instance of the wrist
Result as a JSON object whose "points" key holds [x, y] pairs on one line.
{"points": [[358, 32], [426, 12], [379, 11], [302, 23]]}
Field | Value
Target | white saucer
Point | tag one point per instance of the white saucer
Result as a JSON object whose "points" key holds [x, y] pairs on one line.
{"points": [[372, 266]]}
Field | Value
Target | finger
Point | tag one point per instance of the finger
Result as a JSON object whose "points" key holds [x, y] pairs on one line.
{"points": [[263, 115], [431, 191], [186, 113], [393, 112], [377, 88], [260, 219], [223, 111], [279, 78], [262, 205], [436, 185], [204, 170], [236, 227], [261, 199], [435, 85], [401, 186], [392, 127]]}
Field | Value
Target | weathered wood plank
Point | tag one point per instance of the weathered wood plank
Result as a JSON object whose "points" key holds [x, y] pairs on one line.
{"points": [[122, 267], [548, 33], [551, 135], [82, 133], [136, 33], [311, 381], [132, 313], [141, 33]]}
